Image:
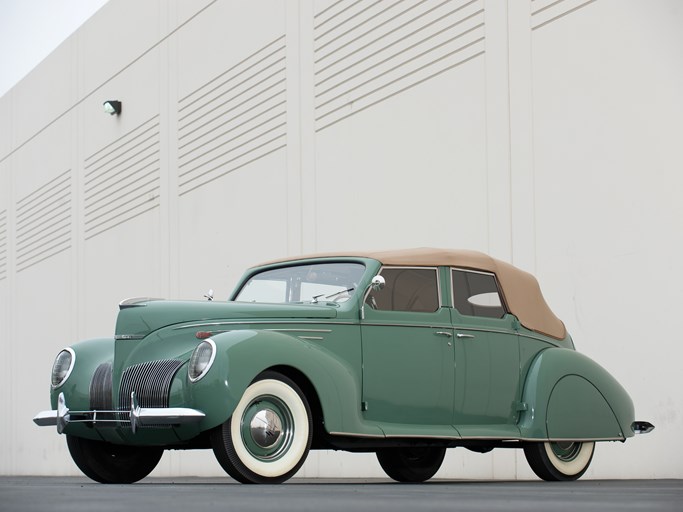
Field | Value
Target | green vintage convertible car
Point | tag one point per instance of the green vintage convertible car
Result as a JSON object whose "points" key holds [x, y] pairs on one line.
{"points": [[401, 353]]}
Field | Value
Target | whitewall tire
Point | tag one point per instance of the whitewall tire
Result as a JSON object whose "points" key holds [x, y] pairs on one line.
{"points": [[559, 460], [268, 436]]}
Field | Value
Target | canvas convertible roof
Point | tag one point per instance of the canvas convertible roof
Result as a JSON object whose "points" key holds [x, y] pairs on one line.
{"points": [[520, 289]]}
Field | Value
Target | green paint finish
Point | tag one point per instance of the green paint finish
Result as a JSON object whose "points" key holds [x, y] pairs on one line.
{"points": [[332, 366], [390, 373], [546, 371], [577, 410], [487, 372], [150, 316], [408, 367], [89, 355]]}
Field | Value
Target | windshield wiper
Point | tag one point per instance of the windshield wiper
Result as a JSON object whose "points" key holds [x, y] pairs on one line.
{"points": [[314, 300]]}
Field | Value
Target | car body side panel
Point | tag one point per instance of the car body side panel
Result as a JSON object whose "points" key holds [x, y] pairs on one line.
{"points": [[551, 398], [242, 355]]}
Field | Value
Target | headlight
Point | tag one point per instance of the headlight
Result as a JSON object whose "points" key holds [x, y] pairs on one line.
{"points": [[201, 360], [61, 369]]}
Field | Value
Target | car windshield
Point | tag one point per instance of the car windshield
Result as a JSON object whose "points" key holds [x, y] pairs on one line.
{"points": [[317, 282]]}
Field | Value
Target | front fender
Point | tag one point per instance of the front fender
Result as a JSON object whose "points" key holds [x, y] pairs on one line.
{"points": [[570, 396], [242, 355], [89, 355]]}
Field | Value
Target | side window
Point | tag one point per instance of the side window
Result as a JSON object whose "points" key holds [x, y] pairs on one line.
{"points": [[476, 294], [407, 289]]}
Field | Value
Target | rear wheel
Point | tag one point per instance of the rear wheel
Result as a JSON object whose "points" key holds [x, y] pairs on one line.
{"points": [[109, 463], [411, 464], [268, 436], [559, 460]]}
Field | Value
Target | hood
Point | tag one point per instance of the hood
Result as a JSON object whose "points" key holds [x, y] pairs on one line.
{"points": [[138, 318]]}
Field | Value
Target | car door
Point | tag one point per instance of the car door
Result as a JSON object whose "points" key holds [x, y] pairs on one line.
{"points": [[407, 342], [487, 382]]}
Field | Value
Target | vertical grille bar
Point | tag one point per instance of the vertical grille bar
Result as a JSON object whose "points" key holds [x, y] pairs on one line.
{"points": [[101, 388], [151, 382]]}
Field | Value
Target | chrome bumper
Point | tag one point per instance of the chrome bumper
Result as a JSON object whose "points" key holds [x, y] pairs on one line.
{"points": [[137, 416], [642, 427]]}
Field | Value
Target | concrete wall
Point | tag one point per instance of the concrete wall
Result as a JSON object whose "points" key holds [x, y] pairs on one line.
{"points": [[545, 133]]}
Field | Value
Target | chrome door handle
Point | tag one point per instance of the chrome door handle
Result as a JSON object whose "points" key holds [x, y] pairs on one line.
{"points": [[461, 335], [443, 333]]}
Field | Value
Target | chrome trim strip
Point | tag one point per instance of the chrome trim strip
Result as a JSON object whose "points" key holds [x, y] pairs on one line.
{"points": [[393, 267], [480, 329], [119, 337], [262, 322], [538, 338], [136, 302], [501, 293], [425, 326], [585, 440], [477, 438], [483, 272], [315, 338], [534, 439], [417, 436], [348, 434], [511, 332], [299, 330]]}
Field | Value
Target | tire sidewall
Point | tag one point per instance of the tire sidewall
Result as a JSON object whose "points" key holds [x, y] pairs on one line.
{"points": [[289, 461], [574, 467], [401, 465], [98, 460]]}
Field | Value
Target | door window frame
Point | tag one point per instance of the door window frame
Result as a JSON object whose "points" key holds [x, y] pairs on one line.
{"points": [[437, 276], [501, 296]]}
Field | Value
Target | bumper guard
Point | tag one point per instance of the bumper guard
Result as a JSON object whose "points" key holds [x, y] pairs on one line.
{"points": [[137, 416]]}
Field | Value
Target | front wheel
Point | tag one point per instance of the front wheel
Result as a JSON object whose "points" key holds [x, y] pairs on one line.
{"points": [[268, 436], [559, 460], [109, 463], [411, 464]]}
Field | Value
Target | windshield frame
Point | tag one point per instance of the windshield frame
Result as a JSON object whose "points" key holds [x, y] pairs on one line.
{"points": [[294, 288]]}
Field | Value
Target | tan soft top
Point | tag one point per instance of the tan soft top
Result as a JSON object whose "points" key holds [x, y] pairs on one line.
{"points": [[520, 289]]}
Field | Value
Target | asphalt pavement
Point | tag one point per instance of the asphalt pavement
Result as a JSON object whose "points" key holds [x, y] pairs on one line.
{"points": [[59, 494]]}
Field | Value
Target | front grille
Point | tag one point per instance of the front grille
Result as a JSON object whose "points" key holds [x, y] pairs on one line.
{"points": [[151, 382], [100, 388]]}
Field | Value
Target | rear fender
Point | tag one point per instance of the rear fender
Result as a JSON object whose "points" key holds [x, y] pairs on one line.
{"points": [[569, 396]]}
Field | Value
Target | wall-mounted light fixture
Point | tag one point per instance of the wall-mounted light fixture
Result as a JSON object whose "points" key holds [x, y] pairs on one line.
{"points": [[112, 107]]}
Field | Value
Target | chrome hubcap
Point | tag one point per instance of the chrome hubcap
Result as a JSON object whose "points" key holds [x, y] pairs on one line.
{"points": [[266, 428], [566, 451]]}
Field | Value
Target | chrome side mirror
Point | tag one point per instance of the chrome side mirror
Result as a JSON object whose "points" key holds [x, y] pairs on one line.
{"points": [[377, 283], [209, 294]]}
